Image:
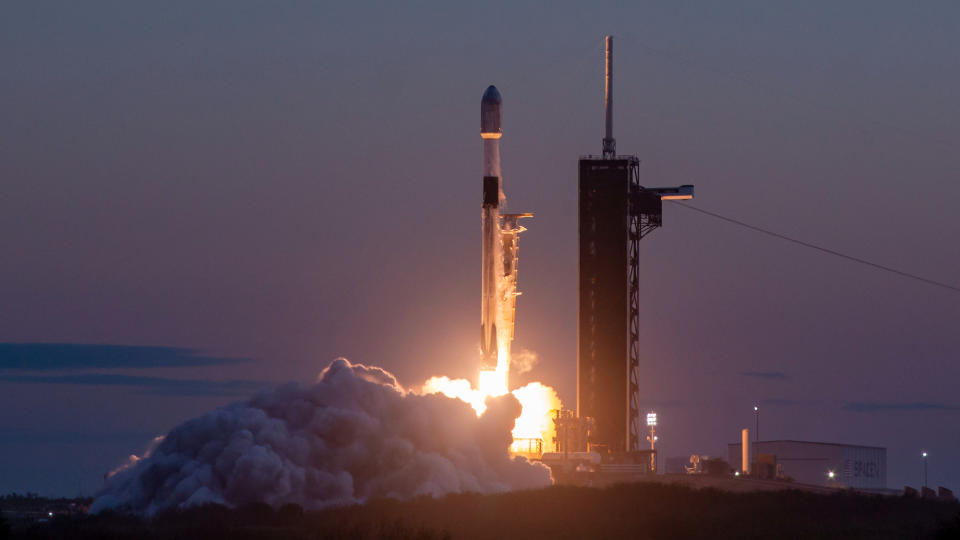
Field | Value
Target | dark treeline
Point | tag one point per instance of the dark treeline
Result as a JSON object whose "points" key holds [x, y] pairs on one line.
{"points": [[626, 511]]}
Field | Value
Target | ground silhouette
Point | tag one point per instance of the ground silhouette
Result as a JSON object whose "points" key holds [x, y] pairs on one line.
{"points": [[641, 511]]}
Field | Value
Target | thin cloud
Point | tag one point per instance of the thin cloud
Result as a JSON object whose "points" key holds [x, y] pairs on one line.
{"points": [[770, 375], [54, 356], [151, 385], [33, 436], [781, 402], [897, 406]]}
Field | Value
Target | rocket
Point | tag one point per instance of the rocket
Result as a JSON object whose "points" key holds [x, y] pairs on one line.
{"points": [[500, 245], [491, 116]]}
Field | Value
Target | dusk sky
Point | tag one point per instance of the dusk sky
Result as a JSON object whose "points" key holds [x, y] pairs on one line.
{"points": [[200, 200]]}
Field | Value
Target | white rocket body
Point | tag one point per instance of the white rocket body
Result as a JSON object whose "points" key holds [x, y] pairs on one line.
{"points": [[492, 249]]}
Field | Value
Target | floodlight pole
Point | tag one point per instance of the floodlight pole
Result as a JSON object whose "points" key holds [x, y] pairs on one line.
{"points": [[756, 433], [652, 424]]}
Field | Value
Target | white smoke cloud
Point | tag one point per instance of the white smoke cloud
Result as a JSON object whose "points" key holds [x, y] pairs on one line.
{"points": [[354, 435], [523, 361]]}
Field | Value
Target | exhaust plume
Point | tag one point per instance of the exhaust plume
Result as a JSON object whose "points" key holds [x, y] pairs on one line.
{"points": [[523, 362], [354, 435]]}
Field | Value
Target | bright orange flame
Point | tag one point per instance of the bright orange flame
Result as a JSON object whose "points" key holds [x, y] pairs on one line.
{"points": [[537, 400], [458, 389], [536, 420]]}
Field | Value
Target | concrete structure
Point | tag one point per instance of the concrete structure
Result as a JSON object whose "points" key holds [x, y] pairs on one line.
{"points": [[602, 390], [860, 467], [744, 451]]}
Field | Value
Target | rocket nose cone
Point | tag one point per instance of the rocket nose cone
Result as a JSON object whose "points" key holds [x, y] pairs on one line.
{"points": [[491, 113], [491, 96]]}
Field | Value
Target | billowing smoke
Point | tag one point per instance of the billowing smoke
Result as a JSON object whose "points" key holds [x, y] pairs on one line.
{"points": [[354, 435], [523, 362]]}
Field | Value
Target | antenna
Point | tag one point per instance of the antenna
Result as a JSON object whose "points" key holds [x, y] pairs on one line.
{"points": [[609, 143]]}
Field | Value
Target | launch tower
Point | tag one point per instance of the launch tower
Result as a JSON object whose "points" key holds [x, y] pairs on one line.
{"points": [[615, 213]]}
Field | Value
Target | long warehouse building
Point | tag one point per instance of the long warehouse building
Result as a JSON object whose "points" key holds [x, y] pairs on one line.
{"points": [[825, 464]]}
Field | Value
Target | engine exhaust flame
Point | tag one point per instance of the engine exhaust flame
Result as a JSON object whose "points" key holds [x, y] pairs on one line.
{"points": [[537, 400]]}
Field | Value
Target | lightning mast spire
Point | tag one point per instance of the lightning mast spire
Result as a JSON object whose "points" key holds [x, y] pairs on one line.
{"points": [[609, 143]]}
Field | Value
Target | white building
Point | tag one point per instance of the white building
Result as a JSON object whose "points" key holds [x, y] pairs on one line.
{"points": [[827, 464]]}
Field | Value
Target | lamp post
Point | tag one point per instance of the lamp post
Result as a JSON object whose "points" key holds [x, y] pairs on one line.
{"points": [[924, 455], [756, 434], [652, 424]]}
